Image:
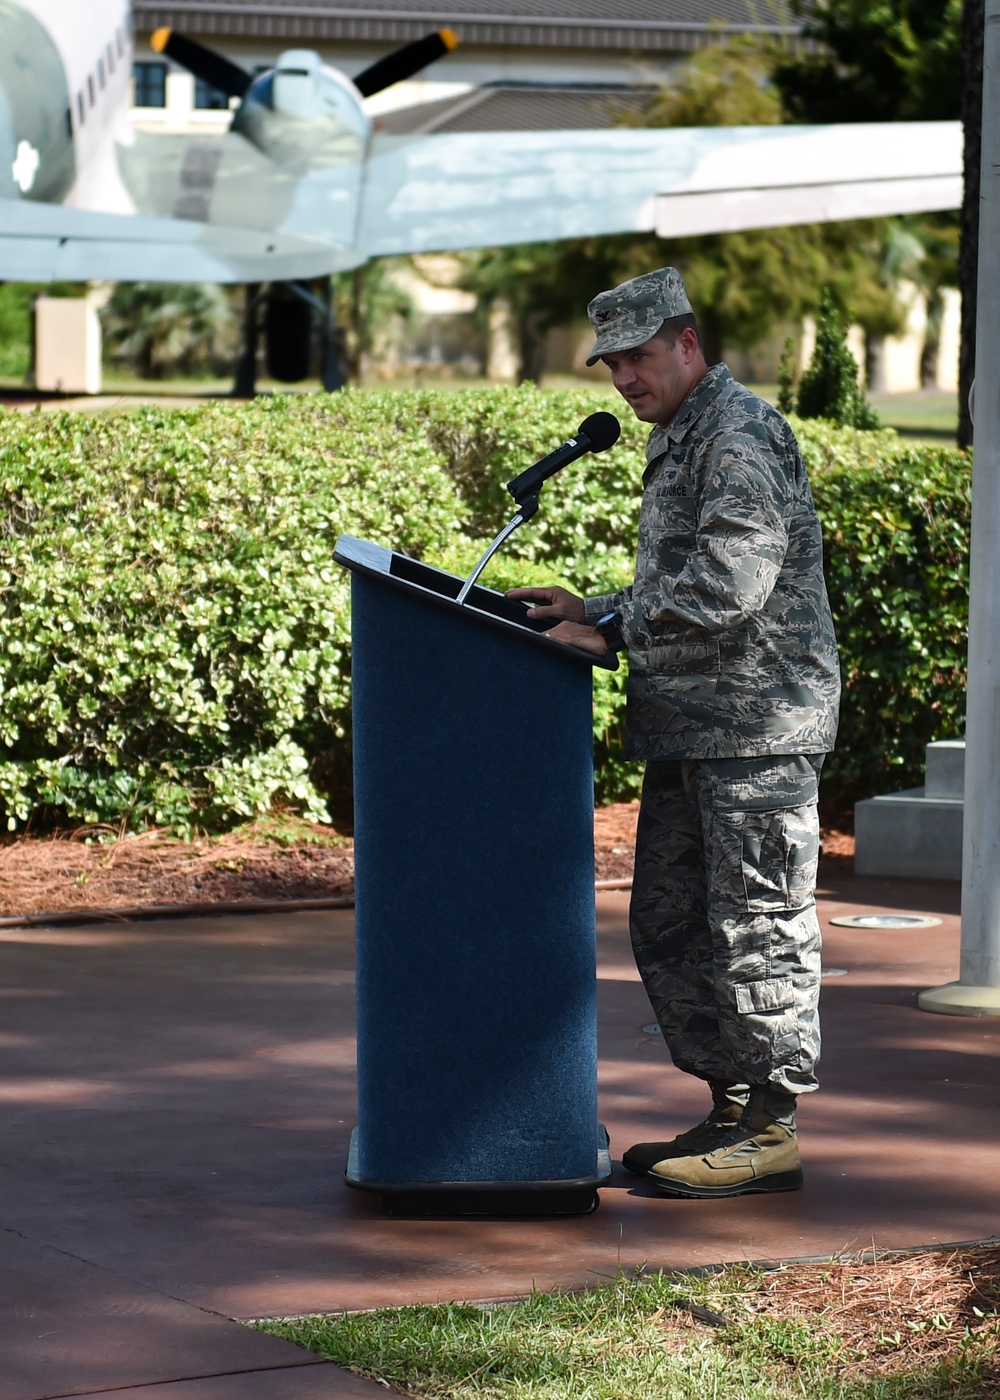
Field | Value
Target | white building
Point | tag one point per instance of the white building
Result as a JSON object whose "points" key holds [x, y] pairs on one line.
{"points": [[538, 42]]}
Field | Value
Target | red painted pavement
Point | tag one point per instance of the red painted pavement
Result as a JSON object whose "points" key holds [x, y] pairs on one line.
{"points": [[178, 1097]]}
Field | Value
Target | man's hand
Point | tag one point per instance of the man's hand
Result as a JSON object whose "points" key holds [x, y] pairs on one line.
{"points": [[575, 634], [554, 602]]}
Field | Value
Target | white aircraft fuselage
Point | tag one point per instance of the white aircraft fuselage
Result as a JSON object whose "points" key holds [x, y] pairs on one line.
{"points": [[65, 74]]}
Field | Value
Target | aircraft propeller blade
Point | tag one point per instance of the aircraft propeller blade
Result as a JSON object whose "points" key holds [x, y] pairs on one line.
{"points": [[403, 63], [203, 62]]}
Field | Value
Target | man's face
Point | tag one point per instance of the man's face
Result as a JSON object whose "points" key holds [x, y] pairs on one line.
{"points": [[656, 378]]}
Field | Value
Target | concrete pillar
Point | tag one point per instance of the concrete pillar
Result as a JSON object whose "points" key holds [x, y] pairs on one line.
{"points": [[977, 992], [501, 358]]}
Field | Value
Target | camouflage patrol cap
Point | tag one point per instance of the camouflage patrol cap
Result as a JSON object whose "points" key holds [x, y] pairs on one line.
{"points": [[631, 314]]}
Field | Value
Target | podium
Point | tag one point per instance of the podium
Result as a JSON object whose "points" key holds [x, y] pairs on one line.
{"points": [[474, 876]]}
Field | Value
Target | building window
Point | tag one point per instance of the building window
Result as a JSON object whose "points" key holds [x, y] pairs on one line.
{"points": [[150, 84], [91, 90], [208, 98], [81, 108], [100, 72], [109, 51]]}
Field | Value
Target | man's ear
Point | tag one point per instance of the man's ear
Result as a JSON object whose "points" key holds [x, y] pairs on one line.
{"points": [[688, 341]]}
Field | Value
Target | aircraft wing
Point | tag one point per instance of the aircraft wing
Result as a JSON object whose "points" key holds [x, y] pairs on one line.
{"points": [[260, 222], [482, 189], [50, 242]]}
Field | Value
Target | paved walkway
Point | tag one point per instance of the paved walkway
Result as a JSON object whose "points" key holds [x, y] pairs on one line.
{"points": [[178, 1098]]}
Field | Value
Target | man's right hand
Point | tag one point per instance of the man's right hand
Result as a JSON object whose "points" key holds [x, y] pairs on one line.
{"points": [[551, 602]]}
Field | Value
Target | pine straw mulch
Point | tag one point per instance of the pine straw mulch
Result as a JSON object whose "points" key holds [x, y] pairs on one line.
{"points": [[614, 840], [884, 1313], [279, 858], [96, 869]]}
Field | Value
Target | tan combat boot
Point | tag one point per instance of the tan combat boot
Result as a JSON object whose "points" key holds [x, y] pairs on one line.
{"points": [[761, 1155], [728, 1103]]}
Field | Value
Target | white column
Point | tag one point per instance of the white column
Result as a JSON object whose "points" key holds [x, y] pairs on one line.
{"points": [[977, 992]]}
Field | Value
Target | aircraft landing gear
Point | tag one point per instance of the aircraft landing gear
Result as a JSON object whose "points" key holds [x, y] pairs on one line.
{"points": [[293, 312]]}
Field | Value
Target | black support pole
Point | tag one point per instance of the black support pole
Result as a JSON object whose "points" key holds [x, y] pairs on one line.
{"points": [[245, 383], [331, 372]]}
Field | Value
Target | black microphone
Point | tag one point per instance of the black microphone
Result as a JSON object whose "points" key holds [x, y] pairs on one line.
{"points": [[595, 434]]}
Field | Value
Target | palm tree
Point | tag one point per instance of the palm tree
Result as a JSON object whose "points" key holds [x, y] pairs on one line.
{"points": [[169, 328]]}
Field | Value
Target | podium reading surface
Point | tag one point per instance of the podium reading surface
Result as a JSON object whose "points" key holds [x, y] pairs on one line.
{"points": [[476, 973]]}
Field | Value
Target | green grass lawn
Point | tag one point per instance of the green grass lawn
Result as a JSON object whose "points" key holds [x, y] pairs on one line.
{"points": [[927, 415], [924, 415], [740, 1334]]}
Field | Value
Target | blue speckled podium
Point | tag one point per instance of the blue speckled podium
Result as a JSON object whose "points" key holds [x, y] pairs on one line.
{"points": [[476, 976]]}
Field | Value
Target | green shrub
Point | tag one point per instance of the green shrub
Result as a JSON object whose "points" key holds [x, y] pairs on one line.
{"points": [[174, 639], [829, 387]]}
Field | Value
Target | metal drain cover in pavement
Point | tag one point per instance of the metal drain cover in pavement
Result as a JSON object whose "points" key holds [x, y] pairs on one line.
{"points": [[886, 921]]}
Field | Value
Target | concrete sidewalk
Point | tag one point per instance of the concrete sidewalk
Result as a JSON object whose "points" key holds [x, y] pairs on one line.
{"points": [[179, 1095]]}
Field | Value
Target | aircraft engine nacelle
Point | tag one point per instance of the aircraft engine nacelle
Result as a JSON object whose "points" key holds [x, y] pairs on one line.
{"points": [[298, 88], [303, 114], [300, 113]]}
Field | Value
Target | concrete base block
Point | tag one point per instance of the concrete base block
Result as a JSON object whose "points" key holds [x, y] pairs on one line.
{"points": [[957, 999], [909, 834], [916, 834]]}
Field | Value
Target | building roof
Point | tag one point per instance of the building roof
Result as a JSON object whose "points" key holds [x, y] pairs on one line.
{"points": [[518, 107], [636, 26]]}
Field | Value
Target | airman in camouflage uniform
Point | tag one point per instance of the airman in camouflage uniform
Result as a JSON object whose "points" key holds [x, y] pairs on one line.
{"points": [[732, 702]]}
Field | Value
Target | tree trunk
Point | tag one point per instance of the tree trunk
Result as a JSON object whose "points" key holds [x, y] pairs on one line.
{"points": [[968, 256], [874, 366], [531, 341], [931, 351], [711, 336], [501, 352]]}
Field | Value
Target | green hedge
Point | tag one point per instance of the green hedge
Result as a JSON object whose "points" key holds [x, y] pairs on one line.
{"points": [[897, 564], [174, 636], [174, 639]]}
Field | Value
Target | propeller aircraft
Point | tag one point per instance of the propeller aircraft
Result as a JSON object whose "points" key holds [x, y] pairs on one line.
{"points": [[301, 185]]}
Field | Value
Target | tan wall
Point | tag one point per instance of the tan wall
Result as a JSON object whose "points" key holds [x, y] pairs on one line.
{"points": [[67, 345], [951, 330]]}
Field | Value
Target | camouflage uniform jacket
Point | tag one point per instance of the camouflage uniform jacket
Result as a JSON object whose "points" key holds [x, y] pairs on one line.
{"points": [[728, 626]]}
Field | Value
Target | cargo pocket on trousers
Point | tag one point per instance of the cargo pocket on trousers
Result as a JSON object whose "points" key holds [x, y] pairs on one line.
{"points": [[779, 855], [765, 882], [773, 994]]}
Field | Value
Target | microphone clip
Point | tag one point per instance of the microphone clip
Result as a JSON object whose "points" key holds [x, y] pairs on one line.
{"points": [[527, 508]]}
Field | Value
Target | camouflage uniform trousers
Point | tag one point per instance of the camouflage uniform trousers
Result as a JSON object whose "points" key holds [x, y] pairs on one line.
{"points": [[723, 915]]}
